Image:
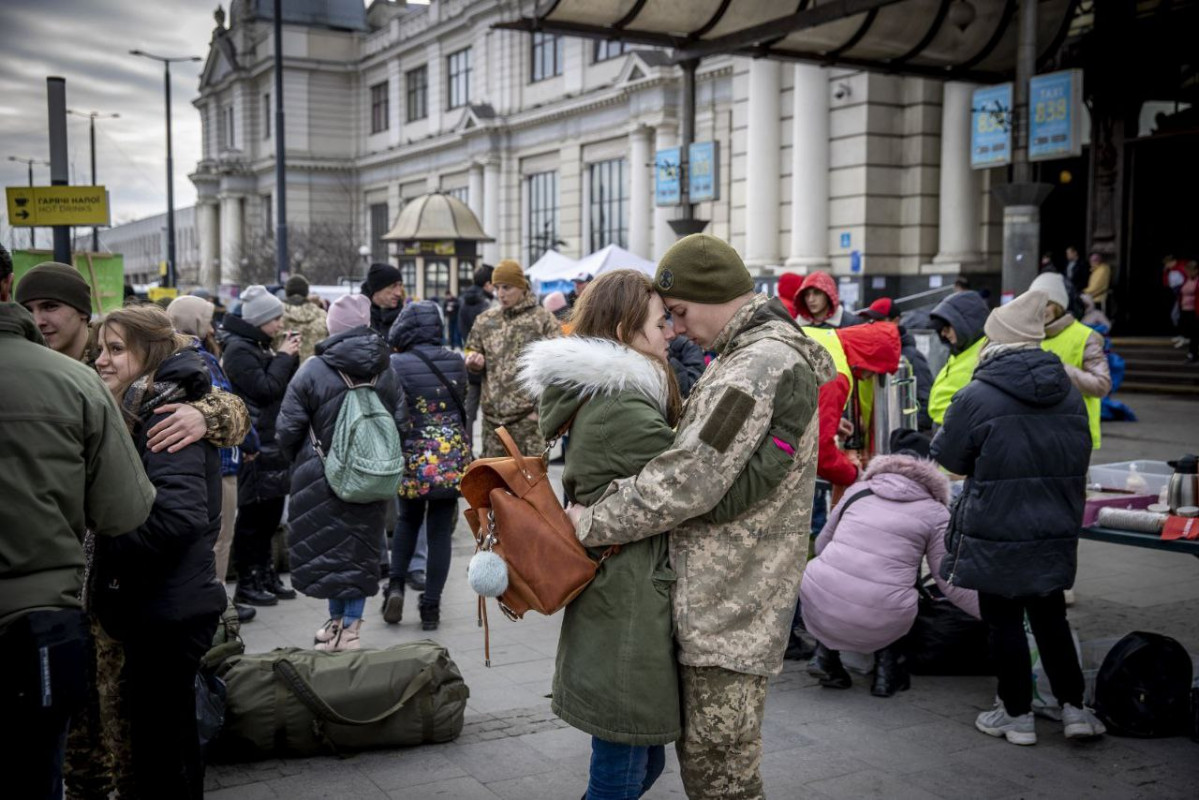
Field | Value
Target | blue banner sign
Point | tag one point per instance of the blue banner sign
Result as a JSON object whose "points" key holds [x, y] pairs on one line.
{"points": [[703, 160], [668, 188], [1055, 121], [991, 126]]}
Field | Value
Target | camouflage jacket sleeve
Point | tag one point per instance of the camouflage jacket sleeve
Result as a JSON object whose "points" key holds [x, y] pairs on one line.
{"points": [[226, 417], [728, 416]]}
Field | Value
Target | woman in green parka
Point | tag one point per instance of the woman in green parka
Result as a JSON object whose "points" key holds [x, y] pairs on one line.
{"points": [[616, 676]]}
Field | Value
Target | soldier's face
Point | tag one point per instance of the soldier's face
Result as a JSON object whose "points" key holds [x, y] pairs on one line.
{"points": [[60, 324], [698, 322], [508, 295]]}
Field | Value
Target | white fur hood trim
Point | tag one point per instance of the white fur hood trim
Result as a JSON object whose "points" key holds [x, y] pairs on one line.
{"points": [[593, 366]]}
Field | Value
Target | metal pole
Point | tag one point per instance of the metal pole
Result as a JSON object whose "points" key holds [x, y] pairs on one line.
{"points": [[92, 132], [1026, 64], [687, 223], [170, 185], [56, 96], [32, 230], [280, 154]]}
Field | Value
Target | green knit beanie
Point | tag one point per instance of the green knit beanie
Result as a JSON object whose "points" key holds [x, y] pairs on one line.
{"points": [[702, 269]]}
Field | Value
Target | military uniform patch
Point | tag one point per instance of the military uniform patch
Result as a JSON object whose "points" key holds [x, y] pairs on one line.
{"points": [[666, 280], [727, 420]]}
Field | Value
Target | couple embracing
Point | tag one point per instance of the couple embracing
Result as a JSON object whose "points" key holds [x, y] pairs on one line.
{"points": [[710, 500]]}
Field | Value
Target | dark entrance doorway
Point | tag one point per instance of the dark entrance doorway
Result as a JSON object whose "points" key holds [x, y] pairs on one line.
{"points": [[1162, 218], [1064, 212]]}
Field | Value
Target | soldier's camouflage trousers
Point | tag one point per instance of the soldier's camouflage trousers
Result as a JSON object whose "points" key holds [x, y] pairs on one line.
{"points": [[98, 759], [526, 433], [721, 749]]}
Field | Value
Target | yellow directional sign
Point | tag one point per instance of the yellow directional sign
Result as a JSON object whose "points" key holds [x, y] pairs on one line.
{"points": [[46, 206]]}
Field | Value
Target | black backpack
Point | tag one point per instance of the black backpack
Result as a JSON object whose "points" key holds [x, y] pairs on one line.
{"points": [[1144, 686]]}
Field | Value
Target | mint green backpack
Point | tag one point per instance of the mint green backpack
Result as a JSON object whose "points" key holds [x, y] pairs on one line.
{"points": [[365, 462]]}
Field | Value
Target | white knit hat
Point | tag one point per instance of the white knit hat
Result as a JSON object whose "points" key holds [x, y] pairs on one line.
{"points": [[1054, 287]]}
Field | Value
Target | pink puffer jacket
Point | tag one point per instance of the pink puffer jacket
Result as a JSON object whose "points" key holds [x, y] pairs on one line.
{"points": [[859, 593]]}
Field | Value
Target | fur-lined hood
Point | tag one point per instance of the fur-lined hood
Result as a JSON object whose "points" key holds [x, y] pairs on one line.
{"points": [[588, 367], [892, 478]]}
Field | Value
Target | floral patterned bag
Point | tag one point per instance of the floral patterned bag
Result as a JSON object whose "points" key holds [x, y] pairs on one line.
{"points": [[439, 453]]}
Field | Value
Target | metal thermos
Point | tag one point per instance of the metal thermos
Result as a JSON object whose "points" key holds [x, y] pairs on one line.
{"points": [[1183, 489]]}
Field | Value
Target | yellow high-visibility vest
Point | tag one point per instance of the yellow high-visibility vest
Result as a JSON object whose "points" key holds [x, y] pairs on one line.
{"points": [[1070, 346], [956, 373], [828, 339]]}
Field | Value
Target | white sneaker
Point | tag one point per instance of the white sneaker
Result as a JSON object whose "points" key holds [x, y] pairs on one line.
{"points": [[1017, 730], [1081, 723]]}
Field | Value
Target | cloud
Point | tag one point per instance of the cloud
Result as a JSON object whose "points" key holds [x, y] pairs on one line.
{"points": [[87, 43]]}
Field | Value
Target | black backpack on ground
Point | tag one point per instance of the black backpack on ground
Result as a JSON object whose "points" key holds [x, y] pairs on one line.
{"points": [[944, 639], [1144, 686]]}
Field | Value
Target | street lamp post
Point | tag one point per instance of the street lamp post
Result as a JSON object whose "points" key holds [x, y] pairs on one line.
{"points": [[166, 62], [364, 252], [91, 124], [29, 162]]}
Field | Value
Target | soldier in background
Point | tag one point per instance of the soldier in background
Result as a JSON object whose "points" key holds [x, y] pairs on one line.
{"points": [[495, 343], [737, 581], [302, 316]]}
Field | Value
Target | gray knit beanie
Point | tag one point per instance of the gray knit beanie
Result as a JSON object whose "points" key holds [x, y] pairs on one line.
{"points": [[258, 306], [1021, 321]]}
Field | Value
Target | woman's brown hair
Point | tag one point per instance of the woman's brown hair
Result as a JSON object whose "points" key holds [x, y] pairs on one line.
{"points": [[616, 306], [148, 333]]}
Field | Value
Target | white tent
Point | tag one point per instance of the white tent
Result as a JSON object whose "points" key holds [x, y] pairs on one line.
{"points": [[614, 257], [553, 266]]}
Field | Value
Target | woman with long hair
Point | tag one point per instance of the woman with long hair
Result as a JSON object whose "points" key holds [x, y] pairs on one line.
{"points": [[155, 588], [610, 383]]}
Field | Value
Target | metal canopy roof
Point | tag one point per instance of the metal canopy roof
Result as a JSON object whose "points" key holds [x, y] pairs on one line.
{"points": [[921, 37], [434, 217]]}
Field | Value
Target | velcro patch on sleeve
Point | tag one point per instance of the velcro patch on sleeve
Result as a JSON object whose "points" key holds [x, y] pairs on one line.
{"points": [[727, 419]]}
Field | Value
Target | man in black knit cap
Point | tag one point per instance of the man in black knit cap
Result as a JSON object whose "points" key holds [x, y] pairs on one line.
{"points": [[385, 287]]}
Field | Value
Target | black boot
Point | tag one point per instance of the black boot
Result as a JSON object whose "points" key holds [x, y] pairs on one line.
{"points": [[890, 676], [276, 586], [251, 589], [245, 613], [430, 614], [826, 665], [393, 601], [798, 648]]}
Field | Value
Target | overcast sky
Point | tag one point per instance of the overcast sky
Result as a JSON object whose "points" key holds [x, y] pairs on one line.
{"points": [[88, 43]]}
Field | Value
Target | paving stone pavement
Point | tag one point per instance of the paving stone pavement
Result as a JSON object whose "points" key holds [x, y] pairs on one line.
{"points": [[818, 743]]}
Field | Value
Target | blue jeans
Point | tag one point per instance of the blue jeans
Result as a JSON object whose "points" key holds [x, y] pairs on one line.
{"points": [[623, 771], [348, 611]]}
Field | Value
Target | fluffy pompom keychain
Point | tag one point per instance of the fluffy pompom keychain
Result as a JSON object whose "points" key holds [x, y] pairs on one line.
{"points": [[488, 574]]}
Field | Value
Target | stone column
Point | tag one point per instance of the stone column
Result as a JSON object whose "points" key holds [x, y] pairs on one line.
{"points": [[231, 246], [958, 233], [665, 136], [209, 231], [641, 189], [474, 190], [762, 165], [491, 209], [809, 169]]}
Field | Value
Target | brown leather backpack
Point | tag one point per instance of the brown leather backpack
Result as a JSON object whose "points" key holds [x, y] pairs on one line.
{"points": [[515, 513]]}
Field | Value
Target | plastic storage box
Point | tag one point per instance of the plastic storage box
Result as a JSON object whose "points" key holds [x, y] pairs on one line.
{"points": [[1115, 476]]}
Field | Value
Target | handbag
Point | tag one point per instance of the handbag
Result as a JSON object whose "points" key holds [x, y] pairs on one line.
{"points": [[515, 514], [446, 382]]}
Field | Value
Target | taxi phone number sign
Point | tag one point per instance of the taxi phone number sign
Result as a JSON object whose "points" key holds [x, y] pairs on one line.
{"points": [[1055, 124], [47, 206]]}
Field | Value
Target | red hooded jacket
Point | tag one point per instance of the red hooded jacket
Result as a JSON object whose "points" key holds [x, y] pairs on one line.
{"points": [[825, 283], [789, 284], [868, 348]]}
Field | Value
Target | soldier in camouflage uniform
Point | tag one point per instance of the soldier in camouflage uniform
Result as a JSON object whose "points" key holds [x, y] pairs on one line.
{"points": [[737, 581], [495, 343], [301, 316]]}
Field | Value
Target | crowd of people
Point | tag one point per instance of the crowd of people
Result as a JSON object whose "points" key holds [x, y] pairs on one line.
{"points": [[157, 451]]}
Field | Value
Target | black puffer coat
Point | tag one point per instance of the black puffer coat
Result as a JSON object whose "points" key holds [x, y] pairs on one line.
{"points": [[334, 545], [474, 302], [1019, 433], [165, 571], [687, 361], [259, 376], [435, 445]]}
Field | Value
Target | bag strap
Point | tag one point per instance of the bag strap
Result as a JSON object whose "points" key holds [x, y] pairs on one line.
{"points": [[444, 382], [849, 502], [349, 382], [303, 691]]}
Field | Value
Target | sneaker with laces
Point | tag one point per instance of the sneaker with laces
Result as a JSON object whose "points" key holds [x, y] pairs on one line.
{"points": [[1081, 723], [1017, 730]]}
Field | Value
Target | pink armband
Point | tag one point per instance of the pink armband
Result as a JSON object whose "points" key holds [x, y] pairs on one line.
{"points": [[781, 445]]}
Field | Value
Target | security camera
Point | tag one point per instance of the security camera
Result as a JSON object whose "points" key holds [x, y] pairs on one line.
{"points": [[842, 91]]}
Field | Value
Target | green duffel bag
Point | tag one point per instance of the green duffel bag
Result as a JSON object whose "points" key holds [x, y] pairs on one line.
{"points": [[293, 702]]}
